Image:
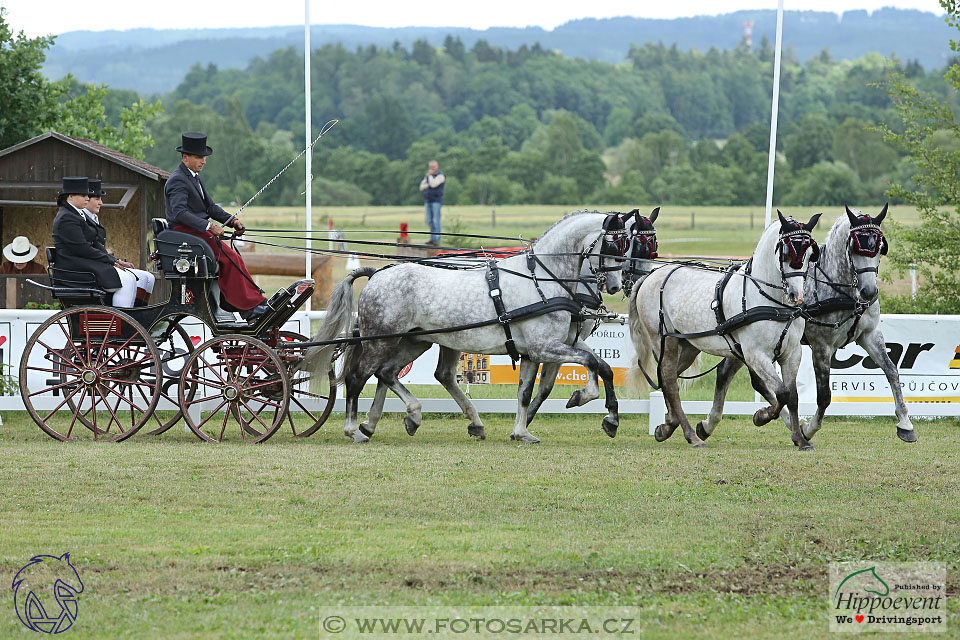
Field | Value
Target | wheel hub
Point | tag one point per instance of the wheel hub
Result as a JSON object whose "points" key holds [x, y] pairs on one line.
{"points": [[231, 392], [89, 376]]}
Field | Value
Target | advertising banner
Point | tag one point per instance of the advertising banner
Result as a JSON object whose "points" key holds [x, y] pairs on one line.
{"points": [[925, 349]]}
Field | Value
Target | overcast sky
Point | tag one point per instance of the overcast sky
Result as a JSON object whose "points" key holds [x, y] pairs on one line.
{"points": [[42, 17]]}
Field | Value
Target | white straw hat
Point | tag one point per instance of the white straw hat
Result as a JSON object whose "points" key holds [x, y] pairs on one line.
{"points": [[20, 250]]}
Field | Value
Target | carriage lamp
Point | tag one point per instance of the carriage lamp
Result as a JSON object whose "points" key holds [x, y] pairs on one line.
{"points": [[182, 265]]}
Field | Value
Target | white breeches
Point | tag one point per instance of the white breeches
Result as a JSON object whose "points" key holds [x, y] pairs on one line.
{"points": [[130, 281]]}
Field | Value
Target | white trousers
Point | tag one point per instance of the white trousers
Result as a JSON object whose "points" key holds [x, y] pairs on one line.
{"points": [[130, 281]]}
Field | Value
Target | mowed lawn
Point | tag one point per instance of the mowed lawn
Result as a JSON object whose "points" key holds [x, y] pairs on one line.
{"points": [[175, 538]]}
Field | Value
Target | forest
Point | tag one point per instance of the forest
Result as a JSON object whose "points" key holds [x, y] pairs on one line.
{"points": [[532, 126]]}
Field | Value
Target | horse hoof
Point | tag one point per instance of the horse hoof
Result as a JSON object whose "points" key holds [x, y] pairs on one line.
{"points": [[357, 437], [527, 439], [907, 435], [759, 419], [574, 400], [699, 445], [658, 433], [610, 427], [410, 425], [703, 435], [365, 431], [807, 447], [477, 432]]}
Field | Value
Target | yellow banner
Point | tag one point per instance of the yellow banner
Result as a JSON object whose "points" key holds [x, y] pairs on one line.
{"points": [[568, 374]]}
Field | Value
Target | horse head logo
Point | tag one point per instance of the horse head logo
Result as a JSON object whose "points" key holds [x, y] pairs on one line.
{"points": [[867, 578], [53, 579]]}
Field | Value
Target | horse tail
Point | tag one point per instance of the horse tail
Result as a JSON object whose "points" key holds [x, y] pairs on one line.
{"points": [[336, 321], [641, 347]]}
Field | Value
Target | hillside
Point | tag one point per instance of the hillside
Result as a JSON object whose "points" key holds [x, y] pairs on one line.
{"points": [[155, 61]]}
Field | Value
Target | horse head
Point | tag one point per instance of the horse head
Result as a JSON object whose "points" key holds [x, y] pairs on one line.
{"points": [[865, 245], [51, 578], [587, 239], [643, 248], [795, 248]]}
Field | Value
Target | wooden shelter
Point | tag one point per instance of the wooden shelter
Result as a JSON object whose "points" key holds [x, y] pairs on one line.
{"points": [[30, 178]]}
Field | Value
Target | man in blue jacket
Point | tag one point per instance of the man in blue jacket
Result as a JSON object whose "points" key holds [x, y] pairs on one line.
{"points": [[190, 209], [432, 187]]}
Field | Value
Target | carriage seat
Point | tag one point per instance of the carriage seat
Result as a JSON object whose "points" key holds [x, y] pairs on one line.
{"points": [[168, 242], [74, 287]]}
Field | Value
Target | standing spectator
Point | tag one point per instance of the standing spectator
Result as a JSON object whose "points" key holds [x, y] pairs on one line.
{"points": [[19, 258], [432, 187]]}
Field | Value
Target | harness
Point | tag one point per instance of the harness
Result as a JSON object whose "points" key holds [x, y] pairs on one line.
{"points": [[789, 242]]}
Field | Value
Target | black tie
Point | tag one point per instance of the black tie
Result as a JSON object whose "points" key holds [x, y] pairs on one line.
{"points": [[199, 187]]}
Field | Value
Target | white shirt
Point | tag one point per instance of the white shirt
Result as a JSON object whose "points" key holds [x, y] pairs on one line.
{"points": [[93, 216]]}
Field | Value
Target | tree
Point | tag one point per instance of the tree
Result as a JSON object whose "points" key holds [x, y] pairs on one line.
{"points": [[85, 116], [931, 137], [825, 183], [810, 143], [28, 102]]}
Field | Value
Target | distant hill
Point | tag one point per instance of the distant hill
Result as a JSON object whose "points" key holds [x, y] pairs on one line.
{"points": [[155, 61]]}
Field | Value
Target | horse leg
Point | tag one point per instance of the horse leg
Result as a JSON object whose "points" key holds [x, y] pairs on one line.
{"points": [[764, 375], [591, 391], [670, 384], [789, 365], [369, 426], [446, 374], [725, 374], [528, 375], [355, 379], [557, 352], [874, 344], [548, 378], [822, 355]]}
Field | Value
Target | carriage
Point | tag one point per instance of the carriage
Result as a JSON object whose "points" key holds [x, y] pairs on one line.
{"points": [[95, 372]]}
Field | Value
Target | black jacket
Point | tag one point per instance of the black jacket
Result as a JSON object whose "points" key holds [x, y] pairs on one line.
{"points": [[184, 204], [79, 249]]}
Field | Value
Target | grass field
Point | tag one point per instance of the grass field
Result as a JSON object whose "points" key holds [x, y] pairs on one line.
{"points": [[178, 539]]}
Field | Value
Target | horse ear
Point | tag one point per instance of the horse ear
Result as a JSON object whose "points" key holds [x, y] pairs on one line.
{"points": [[813, 221], [783, 220], [654, 214], [883, 214], [852, 218]]}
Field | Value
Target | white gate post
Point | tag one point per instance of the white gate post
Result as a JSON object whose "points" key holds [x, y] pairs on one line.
{"points": [[658, 410]]}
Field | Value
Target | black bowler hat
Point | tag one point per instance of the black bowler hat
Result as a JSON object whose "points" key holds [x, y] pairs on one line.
{"points": [[194, 143], [75, 185], [95, 190]]}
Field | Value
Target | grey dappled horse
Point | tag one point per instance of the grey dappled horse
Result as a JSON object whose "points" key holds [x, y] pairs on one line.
{"points": [[686, 294], [414, 297], [639, 262], [846, 273]]}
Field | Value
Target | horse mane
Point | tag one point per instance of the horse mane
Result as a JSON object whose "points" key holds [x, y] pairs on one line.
{"points": [[561, 220], [838, 236]]}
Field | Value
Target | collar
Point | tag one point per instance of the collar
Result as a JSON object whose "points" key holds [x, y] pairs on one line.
{"points": [[79, 211]]}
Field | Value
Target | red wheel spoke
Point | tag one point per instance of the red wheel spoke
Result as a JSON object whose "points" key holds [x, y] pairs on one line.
{"points": [[268, 402], [149, 358], [64, 359], [209, 383], [302, 406], [223, 427], [58, 371], [254, 372], [140, 409], [86, 327], [103, 347], [212, 413], [65, 399], [243, 358], [113, 415], [257, 415], [293, 427], [265, 383], [93, 398], [213, 397], [74, 421], [201, 358], [59, 386], [73, 347]]}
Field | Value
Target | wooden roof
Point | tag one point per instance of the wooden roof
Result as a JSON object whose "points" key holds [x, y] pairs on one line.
{"points": [[138, 166]]}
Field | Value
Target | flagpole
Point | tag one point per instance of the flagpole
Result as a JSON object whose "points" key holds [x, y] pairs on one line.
{"points": [[307, 135], [774, 109]]}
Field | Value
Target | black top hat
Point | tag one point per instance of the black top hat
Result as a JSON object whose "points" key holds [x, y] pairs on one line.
{"points": [[95, 190], [78, 185], [195, 144]]}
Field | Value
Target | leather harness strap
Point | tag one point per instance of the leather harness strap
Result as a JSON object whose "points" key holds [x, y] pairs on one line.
{"points": [[493, 282]]}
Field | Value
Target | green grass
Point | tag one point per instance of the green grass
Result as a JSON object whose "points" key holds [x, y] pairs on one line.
{"points": [[178, 539]]}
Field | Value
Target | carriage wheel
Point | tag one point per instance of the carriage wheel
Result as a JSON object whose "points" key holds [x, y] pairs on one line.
{"points": [[236, 377], [300, 392], [175, 346], [101, 370]]}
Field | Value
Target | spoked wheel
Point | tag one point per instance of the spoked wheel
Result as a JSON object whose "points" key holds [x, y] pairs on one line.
{"points": [[239, 380], [95, 362], [174, 346], [300, 394]]}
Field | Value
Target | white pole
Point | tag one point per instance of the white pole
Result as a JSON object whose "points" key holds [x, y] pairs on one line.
{"points": [[308, 134], [774, 109]]}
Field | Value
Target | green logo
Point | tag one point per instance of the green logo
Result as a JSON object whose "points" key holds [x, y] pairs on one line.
{"points": [[871, 570]]}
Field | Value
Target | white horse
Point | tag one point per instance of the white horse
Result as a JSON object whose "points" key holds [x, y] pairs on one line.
{"points": [[408, 301], [842, 304], [676, 311]]}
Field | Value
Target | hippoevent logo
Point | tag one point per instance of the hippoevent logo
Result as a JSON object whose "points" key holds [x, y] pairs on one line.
{"points": [[888, 596], [45, 593], [955, 363]]}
